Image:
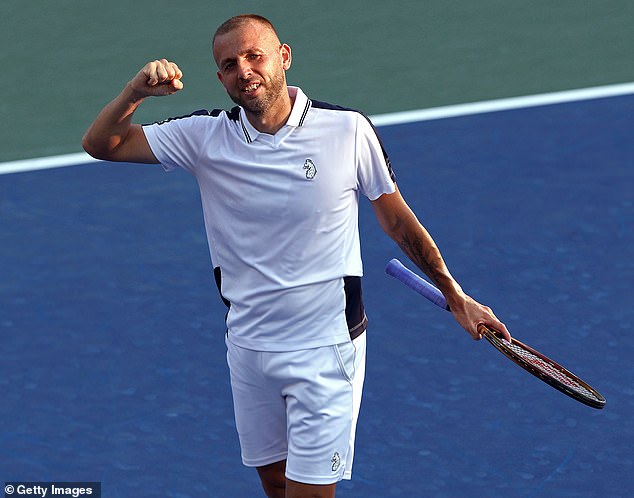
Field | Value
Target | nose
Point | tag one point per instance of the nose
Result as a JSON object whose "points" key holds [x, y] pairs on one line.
{"points": [[244, 70]]}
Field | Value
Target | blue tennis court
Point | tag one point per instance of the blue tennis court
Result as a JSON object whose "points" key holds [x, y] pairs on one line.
{"points": [[113, 364]]}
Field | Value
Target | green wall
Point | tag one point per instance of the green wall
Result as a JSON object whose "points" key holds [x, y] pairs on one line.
{"points": [[64, 59]]}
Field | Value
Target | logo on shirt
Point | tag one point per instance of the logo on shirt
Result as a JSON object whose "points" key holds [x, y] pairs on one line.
{"points": [[311, 169], [336, 461]]}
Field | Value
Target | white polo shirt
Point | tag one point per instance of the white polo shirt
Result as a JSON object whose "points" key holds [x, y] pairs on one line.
{"points": [[281, 214]]}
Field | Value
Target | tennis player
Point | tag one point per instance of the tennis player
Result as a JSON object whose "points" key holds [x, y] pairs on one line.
{"points": [[280, 177]]}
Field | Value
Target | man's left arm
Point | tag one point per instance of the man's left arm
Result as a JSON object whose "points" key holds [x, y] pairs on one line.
{"points": [[401, 224]]}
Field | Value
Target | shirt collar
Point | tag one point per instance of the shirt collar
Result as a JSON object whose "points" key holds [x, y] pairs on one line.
{"points": [[301, 105]]}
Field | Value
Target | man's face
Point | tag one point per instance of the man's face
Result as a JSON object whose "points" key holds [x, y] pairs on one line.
{"points": [[251, 65]]}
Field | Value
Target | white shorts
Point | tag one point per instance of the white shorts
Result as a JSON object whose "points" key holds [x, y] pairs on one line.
{"points": [[301, 406]]}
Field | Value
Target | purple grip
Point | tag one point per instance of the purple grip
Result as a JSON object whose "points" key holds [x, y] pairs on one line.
{"points": [[397, 270]]}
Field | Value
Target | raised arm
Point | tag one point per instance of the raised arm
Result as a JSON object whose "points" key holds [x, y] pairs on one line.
{"points": [[113, 136], [401, 224]]}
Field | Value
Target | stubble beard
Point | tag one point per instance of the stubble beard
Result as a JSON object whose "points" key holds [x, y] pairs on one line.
{"points": [[262, 104]]}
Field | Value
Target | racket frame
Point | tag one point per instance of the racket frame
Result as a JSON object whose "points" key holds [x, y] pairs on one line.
{"points": [[596, 401]]}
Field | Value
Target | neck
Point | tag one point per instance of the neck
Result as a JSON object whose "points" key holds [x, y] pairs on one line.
{"points": [[274, 118]]}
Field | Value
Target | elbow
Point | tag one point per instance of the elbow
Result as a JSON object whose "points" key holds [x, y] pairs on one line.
{"points": [[93, 148], [88, 146]]}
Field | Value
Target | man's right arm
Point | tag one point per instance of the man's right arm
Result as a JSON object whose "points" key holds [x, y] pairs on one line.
{"points": [[113, 136]]}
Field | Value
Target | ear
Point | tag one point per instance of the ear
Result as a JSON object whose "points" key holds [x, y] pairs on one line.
{"points": [[285, 52], [219, 75]]}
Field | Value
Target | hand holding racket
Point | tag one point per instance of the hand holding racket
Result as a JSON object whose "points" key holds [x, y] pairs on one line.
{"points": [[472, 316], [532, 361]]}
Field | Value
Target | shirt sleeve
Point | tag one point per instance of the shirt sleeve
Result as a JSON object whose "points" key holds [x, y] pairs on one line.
{"points": [[176, 142], [374, 171]]}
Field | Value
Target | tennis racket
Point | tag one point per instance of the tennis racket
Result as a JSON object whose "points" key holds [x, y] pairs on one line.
{"points": [[526, 357]]}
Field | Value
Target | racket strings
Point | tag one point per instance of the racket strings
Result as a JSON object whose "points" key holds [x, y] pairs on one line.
{"points": [[549, 370]]}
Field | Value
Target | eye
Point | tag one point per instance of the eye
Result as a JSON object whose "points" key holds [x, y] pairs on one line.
{"points": [[228, 66]]}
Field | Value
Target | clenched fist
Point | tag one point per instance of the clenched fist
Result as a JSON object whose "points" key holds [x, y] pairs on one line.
{"points": [[157, 78]]}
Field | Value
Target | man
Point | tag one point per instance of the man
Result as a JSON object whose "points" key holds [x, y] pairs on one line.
{"points": [[279, 177]]}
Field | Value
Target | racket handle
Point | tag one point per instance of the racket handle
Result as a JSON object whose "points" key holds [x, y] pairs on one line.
{"points": [[397, 270]]}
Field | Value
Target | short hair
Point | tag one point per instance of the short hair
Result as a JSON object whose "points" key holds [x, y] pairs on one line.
{"points": [[239, 21]]}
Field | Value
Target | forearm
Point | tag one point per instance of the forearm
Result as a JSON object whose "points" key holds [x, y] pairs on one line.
{"points": [[113, 136], [402, 225], [112, 126], [418, 245]]}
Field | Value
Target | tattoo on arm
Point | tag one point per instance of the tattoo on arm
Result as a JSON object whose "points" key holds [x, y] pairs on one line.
{"points": [[425, 255]]}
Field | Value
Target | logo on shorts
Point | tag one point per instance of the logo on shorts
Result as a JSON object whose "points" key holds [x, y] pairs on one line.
{"points": [[336, 461], [311, 169]]}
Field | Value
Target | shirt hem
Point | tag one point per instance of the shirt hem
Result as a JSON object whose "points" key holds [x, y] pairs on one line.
{"points": [[255, 345]]}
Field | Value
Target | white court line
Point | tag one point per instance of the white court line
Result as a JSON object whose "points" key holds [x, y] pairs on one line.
{"points": [[452, 111], [46, 163], [394, 118]]}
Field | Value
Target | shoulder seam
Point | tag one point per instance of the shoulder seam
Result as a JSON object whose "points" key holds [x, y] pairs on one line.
{"points": [[324, 105], [332, 107], [214, 113]]}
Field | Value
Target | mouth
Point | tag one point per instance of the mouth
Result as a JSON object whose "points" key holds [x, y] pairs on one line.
{"points": [[250, 89]]}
